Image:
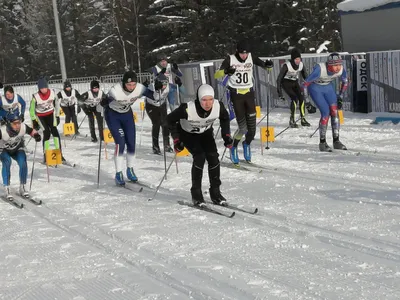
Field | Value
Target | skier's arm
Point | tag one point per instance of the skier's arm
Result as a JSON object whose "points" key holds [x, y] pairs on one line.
{"points": [[344, 84], [82, 98], [224, 120], [77, 95], [281, 75], [32, 109], [225, 65], [315, 74], [23, 104], [56, 103], [304, 73], [174, 117], [176, 70], [268, 64], [3, 113]]}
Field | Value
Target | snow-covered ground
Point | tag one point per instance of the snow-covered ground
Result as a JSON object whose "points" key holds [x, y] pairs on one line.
{"points": [[328, 225]]}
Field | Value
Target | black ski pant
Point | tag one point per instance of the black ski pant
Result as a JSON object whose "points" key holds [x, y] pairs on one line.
{"points": [[292, 88], [49, 125], [91, 112], [202, 147], [70, 114], [158, 117], [245, 111]]}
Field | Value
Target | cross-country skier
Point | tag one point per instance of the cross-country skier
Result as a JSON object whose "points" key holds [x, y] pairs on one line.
{"points": [[163, 67], [12, 147], [10, 104], [45, 114], [191, 126], [239, 67], [90, 103], [119, 118], [288, 80], [68, 100], [320, 87], [157, 110]]}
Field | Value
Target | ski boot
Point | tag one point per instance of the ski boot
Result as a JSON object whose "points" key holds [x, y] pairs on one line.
{"points": [[246, 152], [323, 147], [216, 197], [131, 175], [197, 197], [7, 191], [119, 179], [169, 149], [338, 145], [292, 123], [23, 192], [234, 155], [156, 150], [94, 139], [305, 123]]}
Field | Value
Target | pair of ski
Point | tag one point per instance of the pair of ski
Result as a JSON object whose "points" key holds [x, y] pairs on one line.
{"points": [[130, 185], [17, 200], [207, 208]]}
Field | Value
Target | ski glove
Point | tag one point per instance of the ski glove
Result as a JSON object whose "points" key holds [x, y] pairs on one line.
{"points": [[178, 146], [37, 137], [339, 102], [310, 108], [58, 120], [175, 66], [79, 109], [230, 71], [178, 81], [228, 141], [146, 83], [35, 125], [22, 118], [163, 71], [158, 85]]}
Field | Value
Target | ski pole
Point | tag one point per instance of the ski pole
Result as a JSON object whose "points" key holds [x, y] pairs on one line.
{"points": [[79, 127], [33, 166], [28, 142], [314, 132], [162, 130], [286, 128], [268, 102], [162, 179]]}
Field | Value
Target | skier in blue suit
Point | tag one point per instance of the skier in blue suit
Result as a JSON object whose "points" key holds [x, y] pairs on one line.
{"points": [[10, 104], [320, 87]]}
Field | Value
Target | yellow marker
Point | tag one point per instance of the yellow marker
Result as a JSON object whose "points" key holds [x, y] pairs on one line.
{"points": [[53, 157], [135, 117], [69, 128], [142, 106], [267, 134], [341, 118], [184, 152], [61, 112], [108, 138], [258, 112]]}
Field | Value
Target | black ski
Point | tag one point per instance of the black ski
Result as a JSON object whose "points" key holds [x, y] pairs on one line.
{"points": [[33, 200], [234, 166], [140, 184], [128, 187], [206, 208], [241, 208], [14, 202], [67, 163]]}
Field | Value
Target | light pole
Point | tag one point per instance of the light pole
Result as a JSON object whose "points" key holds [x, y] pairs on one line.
{"points": [[59, 42]]}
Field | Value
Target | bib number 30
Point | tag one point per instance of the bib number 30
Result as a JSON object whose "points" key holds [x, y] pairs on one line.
{"points": [[242, 78]]}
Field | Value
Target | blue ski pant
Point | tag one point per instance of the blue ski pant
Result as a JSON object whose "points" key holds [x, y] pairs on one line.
{"points": [[123, 130], [20, 157], [325, 98]]}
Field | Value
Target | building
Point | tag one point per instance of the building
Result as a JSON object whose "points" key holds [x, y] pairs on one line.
{"points": [[370, 25]]}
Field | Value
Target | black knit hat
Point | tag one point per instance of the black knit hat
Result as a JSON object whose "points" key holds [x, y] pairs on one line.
{"points": [[67, 84], [8, 88], [94, 84], [243, 46], [129, 76], [295, 53], [42, 83]]}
